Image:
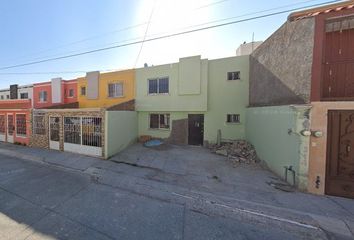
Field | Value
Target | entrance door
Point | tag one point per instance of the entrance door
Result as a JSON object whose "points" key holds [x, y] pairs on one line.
{"points": [[10, 128], [54, 132], [2, 128], [195, 129], [340, 154]]}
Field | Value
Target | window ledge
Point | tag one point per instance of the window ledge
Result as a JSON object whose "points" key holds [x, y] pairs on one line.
{"points": [[160, 129], [116, 97]]}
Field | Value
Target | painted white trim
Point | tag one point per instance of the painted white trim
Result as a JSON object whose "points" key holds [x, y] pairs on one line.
{"points": [[10, 138]]}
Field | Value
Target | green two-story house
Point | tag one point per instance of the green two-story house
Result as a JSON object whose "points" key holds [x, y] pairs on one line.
{"points": [[194, 101]]}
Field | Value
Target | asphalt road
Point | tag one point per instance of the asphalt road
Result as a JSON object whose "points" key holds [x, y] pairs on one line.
{"points": [[45, 202]]}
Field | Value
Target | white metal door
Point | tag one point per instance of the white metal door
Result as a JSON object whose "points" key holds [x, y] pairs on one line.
{"points": [[10, 128], [2, 128], [83, 135], [54, 133]]}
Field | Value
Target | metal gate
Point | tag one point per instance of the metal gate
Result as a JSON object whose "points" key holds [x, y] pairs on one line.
{"points": [[83, 135], [10, 128], [2, 128], [54, 124]]}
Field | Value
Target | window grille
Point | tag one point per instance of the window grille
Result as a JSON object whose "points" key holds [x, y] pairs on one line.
{"points": [[92, 131], [2, 124], [39, 124], [21, 124], [72, 130], [233, 118]]}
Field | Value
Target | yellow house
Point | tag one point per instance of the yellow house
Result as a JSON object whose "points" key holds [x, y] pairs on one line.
{"points": [[106, 89]]}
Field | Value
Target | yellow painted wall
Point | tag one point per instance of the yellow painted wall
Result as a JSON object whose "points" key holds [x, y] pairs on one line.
{"points": [[127, 77]]}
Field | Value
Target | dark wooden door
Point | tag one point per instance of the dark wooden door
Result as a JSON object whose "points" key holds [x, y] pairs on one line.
{"points": [[195, 129], [340, 154]]}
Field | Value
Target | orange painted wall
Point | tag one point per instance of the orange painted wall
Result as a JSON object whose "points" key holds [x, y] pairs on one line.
{"points": [[47, 86], [26, 109]]}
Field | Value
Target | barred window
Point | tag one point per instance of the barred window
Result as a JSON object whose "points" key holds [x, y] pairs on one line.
{"points": [[233, 118], [2, 124], [115, 90], [72, 130], [38, 124], [21, 124], [92, 131]]}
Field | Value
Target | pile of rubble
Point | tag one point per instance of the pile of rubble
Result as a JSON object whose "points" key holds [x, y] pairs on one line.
{"points": [[239, 151]]}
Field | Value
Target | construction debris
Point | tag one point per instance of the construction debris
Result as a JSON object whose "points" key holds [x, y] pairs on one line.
{"points": [[239, 151]]}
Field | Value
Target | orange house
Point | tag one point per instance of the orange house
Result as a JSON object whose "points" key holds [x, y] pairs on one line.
{"points": [[15, 121], [54, 93]]}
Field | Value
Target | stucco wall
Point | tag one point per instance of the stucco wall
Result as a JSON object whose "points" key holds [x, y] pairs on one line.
{"points": [[121, 131], [226, 97], [173, 101], [127, 77], [144, 121], [280, 71], [275, 133]]}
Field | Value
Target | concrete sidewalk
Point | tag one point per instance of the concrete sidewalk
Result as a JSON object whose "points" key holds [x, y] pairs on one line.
{"points": [[194, 175]]}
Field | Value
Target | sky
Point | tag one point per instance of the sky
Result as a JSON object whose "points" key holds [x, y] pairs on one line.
{"points": [[34, 30]]}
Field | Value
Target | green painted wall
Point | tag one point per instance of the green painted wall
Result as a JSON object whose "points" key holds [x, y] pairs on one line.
{"points": [[143, 122], [267, 128], [218, 96], [226, 97], [177, 99], [121, 131]]}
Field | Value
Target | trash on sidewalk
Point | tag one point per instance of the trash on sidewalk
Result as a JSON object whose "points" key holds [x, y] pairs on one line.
{"points": [[239, 151]]}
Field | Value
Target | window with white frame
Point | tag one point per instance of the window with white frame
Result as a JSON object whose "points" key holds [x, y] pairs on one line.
{"points": [[38, 124], [2, 97], [233, 118], [233, 75], [7, 96], [158, 86], [115, 90], [159, 121], [43, 96], [21, 124], [24, 95]]}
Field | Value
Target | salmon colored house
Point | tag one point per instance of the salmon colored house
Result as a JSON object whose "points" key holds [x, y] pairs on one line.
{"points": [[57, 92], [15, 121]]}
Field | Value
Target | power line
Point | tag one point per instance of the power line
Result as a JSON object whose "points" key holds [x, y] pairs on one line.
{"points": [[108, 33], [146, 31], [162, 33], [162, 37]]}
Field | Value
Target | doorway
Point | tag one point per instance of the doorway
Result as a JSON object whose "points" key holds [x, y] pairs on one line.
{"points": [[195, 129], [10, 128], [54, 125], [340, 154]]}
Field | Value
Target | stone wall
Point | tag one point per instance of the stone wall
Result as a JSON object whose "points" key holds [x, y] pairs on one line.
{"points": [[281, 68], [42, 141]]}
